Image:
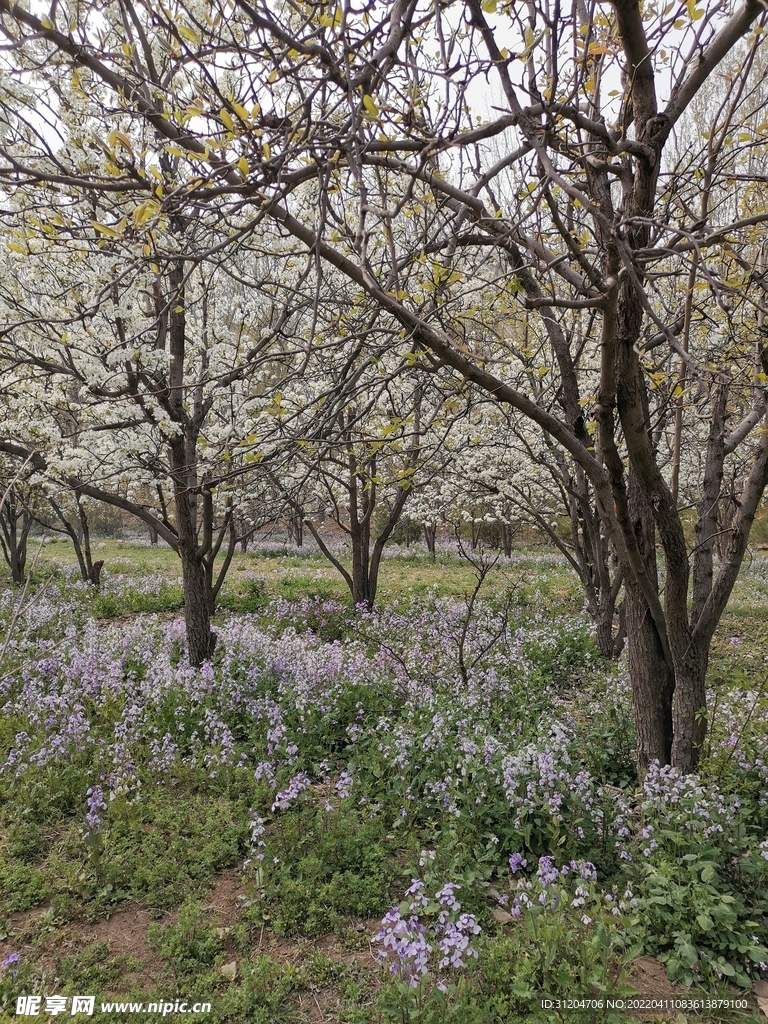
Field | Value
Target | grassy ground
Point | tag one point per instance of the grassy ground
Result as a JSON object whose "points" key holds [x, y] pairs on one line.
{"points": [[308, 573], [255, 576], [155, 905]]}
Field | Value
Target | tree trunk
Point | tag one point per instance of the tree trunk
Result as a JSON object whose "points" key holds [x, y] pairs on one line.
{"points": [[85, 544], [361, 583], [689, 712], [16, 560], [430, 534], [653, 683], [213, 586], [651, 672], [507, 533], [602, 608], [14, 540], [604, 634], [474, 534], [296, 528], [74, 531], [201, 640], [84, 575]]}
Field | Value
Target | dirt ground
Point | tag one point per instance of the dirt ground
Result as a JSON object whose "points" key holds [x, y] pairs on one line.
{"points": [[125, 933]]}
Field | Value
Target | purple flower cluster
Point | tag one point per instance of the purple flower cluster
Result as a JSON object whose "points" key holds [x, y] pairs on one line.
{"points": [[517, 862], [293, 790], [120, 703], [10, 961], [551, 888], [95, 813], [404, 946], [453, 929], [256, 828], [344, 784], [123, 706], [741, 724], [412, 945], [686, 804]]}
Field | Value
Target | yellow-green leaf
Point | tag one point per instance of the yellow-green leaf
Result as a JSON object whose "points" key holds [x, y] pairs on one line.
{"points": [[188, 34], [144, 212], [105, 229], [370, 106], [115, 137]]}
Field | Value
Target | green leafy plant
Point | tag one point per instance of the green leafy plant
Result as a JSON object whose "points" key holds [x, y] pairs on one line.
{"points": [[191, 944], [700, 929]]}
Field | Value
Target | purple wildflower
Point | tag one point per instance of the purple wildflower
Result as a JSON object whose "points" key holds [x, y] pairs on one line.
{"points": [[96, 808], [405, 946], [516, 862]]}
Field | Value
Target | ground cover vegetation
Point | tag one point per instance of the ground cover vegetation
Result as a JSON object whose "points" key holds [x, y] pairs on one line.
{"points": [[399, 840]]}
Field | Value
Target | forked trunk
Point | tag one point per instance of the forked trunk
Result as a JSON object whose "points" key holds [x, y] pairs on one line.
{"points": [[14, 539], [610, 638], [197, 604], [651, 672], [604, 637]]}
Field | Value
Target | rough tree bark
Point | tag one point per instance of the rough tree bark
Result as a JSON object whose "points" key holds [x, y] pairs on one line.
{"points": [[16, 521]]}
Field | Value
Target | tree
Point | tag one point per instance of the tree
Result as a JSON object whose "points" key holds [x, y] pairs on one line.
{"points": [[139, 387], [354, 134], [70, 516], [505, 472], [380, 450], [16, 517]]}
